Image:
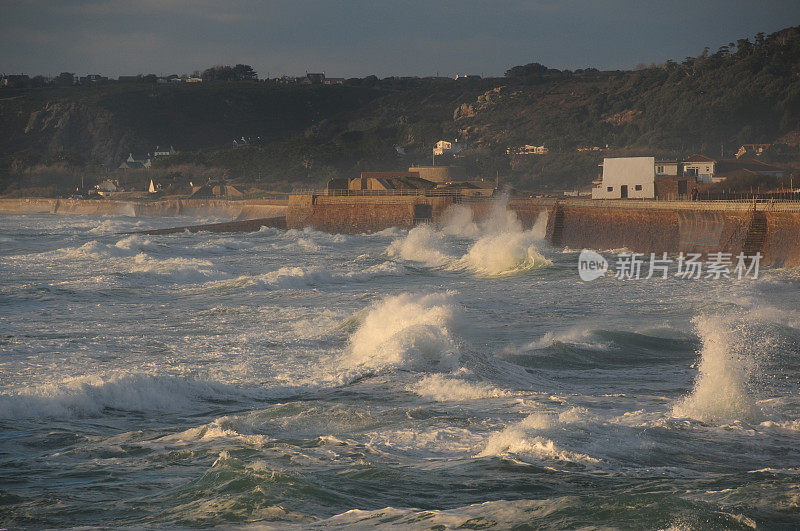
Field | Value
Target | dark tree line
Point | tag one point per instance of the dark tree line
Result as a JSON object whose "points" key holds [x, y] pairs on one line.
{"points": [[239, 72]]}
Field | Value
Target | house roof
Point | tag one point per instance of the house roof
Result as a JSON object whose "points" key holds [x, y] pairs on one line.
{"points": [[699, 158], [407, 182], [135, 165]]}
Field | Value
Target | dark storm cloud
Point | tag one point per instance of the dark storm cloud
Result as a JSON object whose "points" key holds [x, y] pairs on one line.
{"points": [[348, 38]]}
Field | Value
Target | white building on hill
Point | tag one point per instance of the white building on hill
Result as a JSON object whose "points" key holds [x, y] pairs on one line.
{"points": [[443, 147], [627, 178]]}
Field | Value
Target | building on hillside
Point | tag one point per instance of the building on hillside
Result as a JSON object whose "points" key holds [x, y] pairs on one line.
{"points": [[163, 152], [15, 81], [91, 78], [380, 182], [752, 150], [135, 164], [444, 147], [700, 167], [333, 81], [528, 149], [313, 79], [626, 178], [708, 170]]}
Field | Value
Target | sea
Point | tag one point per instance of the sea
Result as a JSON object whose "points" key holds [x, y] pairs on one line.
{"points": [[456, 375]]}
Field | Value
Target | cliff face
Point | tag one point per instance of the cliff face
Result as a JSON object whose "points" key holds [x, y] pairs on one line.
{"points": [[77, 128], [107, 122]]}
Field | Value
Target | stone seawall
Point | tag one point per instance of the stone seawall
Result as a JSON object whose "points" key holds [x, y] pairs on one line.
{"points": [[358, 214], [639, 226], [776, 235], [234, 210]]}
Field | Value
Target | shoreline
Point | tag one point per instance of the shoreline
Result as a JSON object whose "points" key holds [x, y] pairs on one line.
{"points": [[235, 210]]}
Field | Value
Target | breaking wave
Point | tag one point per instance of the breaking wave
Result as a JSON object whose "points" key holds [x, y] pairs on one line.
{"points": [[406, 331], [90, 396], [293, 277], [526, 439], [442, 388]]}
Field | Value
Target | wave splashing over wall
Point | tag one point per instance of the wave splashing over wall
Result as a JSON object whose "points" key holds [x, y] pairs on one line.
{"points": [[501, 246]]}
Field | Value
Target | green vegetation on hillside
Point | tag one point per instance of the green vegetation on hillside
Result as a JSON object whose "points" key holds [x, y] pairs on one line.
{"points": [[301, 135]]}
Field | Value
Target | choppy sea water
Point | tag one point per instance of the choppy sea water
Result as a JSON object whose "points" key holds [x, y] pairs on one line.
{"points": [[452, 376]]}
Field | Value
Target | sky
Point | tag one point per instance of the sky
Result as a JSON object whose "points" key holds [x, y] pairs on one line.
{"points": [[355, 38]]}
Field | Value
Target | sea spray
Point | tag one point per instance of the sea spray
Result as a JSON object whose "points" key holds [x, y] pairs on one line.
{"points": [[407, 331], [457, 220], [730, 353], [501, 247], [504, 248], [443, 388], [422, 244]]}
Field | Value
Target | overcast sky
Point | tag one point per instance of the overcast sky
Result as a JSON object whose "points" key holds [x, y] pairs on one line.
{"points": [[346, 38]]}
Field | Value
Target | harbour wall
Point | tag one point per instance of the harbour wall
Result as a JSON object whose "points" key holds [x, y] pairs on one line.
{"points": [[234, 210], [357, 214], [638, 226]]}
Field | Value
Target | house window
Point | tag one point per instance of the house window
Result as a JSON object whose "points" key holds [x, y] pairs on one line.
{"points": [[660, 169], [638, 186], [610, 189]]}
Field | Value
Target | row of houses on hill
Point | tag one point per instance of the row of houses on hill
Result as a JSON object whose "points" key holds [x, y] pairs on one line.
{"points": [[648, 178], [132, 163]]}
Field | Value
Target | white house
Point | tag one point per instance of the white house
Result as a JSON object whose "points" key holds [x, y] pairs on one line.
{"points": [[528, 149], [627, 178], [701, 167], [443, 146], [163, 152], [666, 168]]}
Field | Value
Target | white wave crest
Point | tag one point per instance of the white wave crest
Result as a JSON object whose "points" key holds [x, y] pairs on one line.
{"points": [[407, 331], [445, 389], [293, 277], [525, 439], [89, 396]]}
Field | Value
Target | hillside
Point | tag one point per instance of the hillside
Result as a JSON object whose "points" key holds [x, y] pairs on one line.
{"points": [[746, 92]]}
